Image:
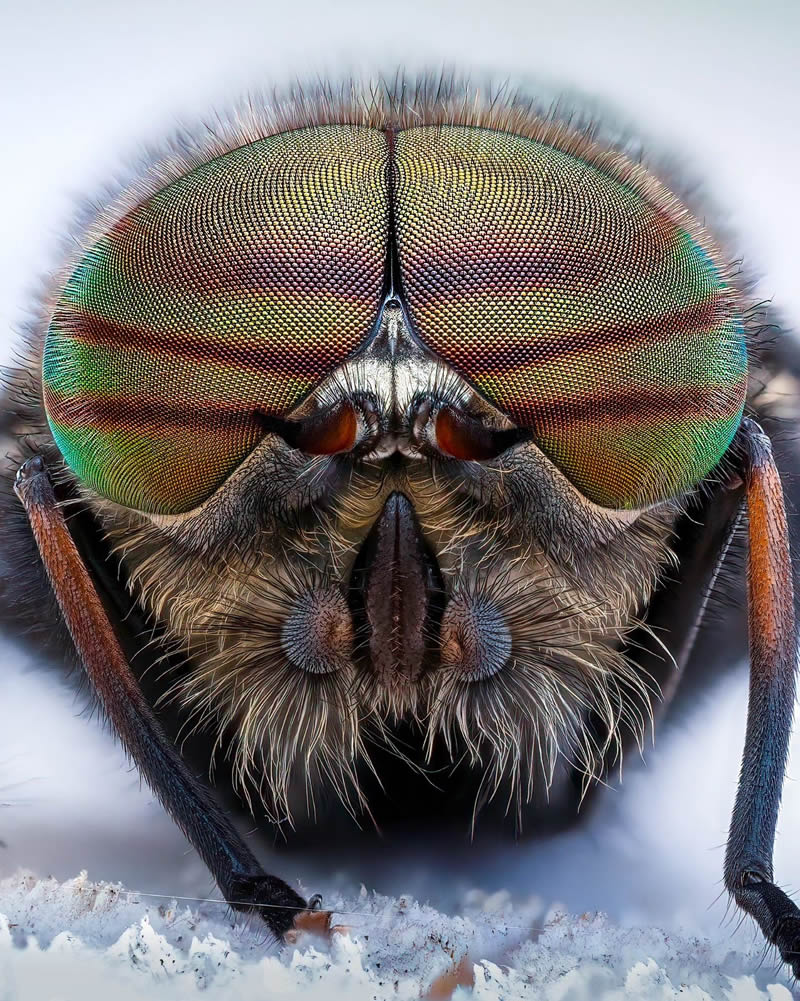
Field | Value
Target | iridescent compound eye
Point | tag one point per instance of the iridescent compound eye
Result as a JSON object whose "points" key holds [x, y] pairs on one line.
{"points": [[227, 295], [577, 296], [563, 282]]}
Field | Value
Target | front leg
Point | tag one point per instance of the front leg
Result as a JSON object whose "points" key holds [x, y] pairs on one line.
{"points": [[773, 666], [235, 869]]}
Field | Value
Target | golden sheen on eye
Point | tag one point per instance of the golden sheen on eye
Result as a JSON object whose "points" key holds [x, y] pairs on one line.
{"points": [[577, 295], [564, 283], [228, 294]]}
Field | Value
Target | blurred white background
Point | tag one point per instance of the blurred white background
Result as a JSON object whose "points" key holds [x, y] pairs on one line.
{"points": [[84, 85]]}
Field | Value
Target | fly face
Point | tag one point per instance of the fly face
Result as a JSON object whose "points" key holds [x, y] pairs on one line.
{"points": [[427, 381], [386, 575], [391, 412]]}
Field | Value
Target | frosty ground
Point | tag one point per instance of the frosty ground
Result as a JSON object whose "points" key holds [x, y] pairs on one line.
{"points": [[80, 939], [627, 906]]}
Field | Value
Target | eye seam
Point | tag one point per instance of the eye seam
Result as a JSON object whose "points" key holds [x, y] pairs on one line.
{"points": [[645, 184]]}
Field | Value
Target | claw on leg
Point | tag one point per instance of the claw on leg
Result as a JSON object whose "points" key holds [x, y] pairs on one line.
{"points": [[315, 922], [311, 922], [773, 667], [461, 974]]}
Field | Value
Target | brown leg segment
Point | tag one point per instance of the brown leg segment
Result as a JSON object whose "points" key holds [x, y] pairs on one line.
{"points": [[773, 665], [236, 870]]}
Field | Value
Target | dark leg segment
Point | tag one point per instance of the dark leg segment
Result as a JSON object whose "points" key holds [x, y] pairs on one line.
{"points": [[235, 869], [773, 663]]}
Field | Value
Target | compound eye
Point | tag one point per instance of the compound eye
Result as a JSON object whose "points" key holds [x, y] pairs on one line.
{"points": [[576, 294], [226, 296]]}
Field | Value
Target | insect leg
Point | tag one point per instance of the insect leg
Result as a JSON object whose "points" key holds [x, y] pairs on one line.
{"points": [[235, 869], [773, 664]]}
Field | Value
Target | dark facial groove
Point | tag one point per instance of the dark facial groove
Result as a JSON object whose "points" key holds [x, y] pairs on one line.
{"points": [[397, 593]]}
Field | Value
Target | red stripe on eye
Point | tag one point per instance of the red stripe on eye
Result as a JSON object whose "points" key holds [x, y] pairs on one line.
{"points": [[642, 405], [263, 355], [154, 416], [499, 345]]}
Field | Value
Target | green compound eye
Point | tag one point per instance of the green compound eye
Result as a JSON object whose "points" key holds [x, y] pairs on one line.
{"points": [[229, 293], [579, 298]]}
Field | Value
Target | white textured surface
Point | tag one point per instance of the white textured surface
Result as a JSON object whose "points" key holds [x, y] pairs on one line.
{"points": [[75, 940]]}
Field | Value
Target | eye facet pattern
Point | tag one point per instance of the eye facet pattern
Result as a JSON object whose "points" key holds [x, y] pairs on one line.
{"points": [[582, 308], [564, 283], [228, 294]]}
